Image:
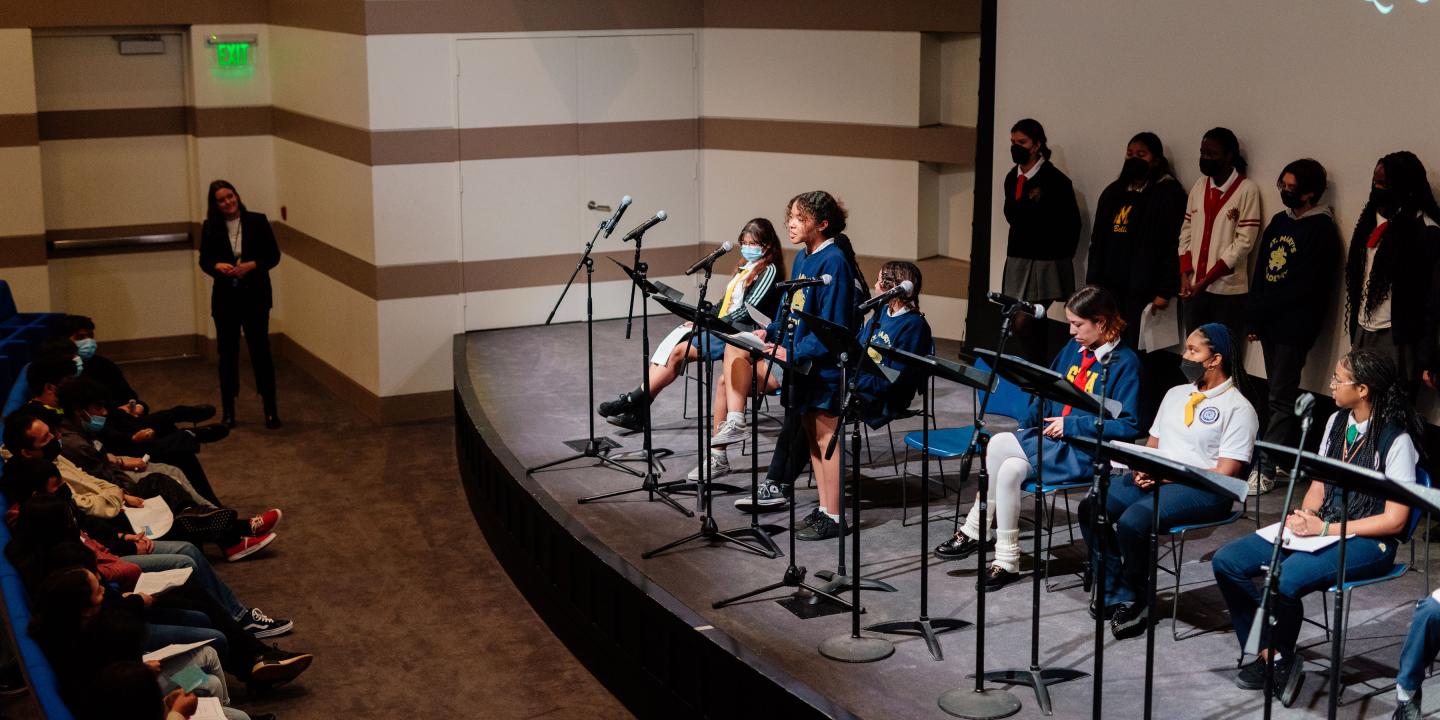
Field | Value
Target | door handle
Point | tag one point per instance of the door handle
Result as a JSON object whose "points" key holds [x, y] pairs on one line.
{"points": [[598, 208]]}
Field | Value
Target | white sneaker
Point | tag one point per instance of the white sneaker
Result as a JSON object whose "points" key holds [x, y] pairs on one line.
{"points": [[1258, 483], [729, 432], [719, 465], [769, 496]]}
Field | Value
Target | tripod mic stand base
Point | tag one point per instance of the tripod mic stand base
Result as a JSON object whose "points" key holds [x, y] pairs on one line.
{"points": [[597, 448], [759, 535], [794, 577], [1038, 678], [686, 487], [836, 584], [928, 628], [856, 649], [979, 704]]}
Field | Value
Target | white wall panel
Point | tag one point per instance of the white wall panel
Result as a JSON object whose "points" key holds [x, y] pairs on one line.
{"points": [[517, 81], [522, 207], [30, 286], [17, 72], [328, 197], [131, 296], [657, 181], [115, 181], [816, 75], [417, 213], [216, 86], [529, 306], [637, 77], [87, 72], [22, 210], [881, 195], [412, 81], [415, 336], [248, 162], [321, 74], [334, 322]]}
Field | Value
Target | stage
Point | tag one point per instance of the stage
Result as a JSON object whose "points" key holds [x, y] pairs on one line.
{"points": [[646, 627]]}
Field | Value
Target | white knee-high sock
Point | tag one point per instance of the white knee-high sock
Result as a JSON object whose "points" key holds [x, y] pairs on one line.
{"points": [[1007, 549]]}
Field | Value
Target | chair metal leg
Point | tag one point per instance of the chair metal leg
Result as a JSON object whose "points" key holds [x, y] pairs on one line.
{"points": [[1177, 553]]}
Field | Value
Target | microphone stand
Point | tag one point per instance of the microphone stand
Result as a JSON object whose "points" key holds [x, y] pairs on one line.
{"points": [[597, 448], [981, 703], [650, 484], [1264, 620], [1099, 490]]}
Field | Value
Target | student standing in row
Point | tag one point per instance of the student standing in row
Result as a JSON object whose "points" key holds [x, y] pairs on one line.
{"points": [[1289, 296], [1222, 223]]}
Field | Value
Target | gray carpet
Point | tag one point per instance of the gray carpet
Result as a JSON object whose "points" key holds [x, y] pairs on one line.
{"points": [[379, 563], [532, 383]]}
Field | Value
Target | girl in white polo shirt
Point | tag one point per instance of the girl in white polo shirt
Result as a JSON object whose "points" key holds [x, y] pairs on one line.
{"points": [[1206, 423]]}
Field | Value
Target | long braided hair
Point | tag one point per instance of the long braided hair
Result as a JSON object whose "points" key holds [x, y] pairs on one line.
{"points": [[1410, 195], [1390, 404]]}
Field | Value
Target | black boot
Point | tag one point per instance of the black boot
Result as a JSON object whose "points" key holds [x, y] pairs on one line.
{"points": [[272, 416], [228, 418]]}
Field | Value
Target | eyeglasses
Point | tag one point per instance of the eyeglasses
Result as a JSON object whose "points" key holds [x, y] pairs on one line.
{"points": [[1335, 382]]}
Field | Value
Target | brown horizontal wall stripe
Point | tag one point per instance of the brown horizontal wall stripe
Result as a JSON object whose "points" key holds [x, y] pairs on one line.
{"points": [[402, 147], [398, 17], [132, 13], [345, 16], [327, 259], [394, 282], [112, 123], [519, 142], [416, 406], [539, 271], [893, 15], [640, 136], [19, 130], [344, 141], [942, 144], [230, 121], [22, 250]]}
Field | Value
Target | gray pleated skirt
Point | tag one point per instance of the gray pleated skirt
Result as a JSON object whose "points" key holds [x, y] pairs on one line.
{"points": [[1038, 280]]}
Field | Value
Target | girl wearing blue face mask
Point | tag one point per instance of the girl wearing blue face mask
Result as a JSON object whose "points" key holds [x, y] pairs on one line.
{"points": [[752, 285]]}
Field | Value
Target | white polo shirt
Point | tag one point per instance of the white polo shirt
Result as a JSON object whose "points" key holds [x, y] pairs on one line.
{"points": [[1225, 426]]}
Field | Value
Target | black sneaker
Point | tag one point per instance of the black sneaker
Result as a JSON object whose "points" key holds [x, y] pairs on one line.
{"points": [[194, 413], [1289, 675], [617, 406], [769, 497], [960, 547], [1408, 710], [823, 529], [628, 420], [213, 432], [997, 578], [201, 520], [1129, 620], [1251, 675], [1109, 610], [808, 520], [274, 666]]}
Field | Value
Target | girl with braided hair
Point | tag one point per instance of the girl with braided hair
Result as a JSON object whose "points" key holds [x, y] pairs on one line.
{"points": [[1376, 427], [1389, 270]]}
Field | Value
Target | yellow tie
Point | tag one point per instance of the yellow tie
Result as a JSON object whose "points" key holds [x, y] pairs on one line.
{"points": [[1195, 399], [730, 291]]}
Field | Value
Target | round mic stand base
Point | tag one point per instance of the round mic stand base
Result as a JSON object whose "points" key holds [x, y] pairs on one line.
{"points": [[856, 649], [979, 704]]}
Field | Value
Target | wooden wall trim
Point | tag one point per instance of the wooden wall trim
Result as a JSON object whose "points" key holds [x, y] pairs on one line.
{"points": [[19, 130], [132, 13], [22, 250], [112, 123]]}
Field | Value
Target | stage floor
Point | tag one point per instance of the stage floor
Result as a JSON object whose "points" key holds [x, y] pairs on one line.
{"points": [[531, 383]]}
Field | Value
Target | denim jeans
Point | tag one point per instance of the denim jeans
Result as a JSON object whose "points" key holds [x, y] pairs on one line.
{"points": [[208, 660], [1124, 546], [159, 634], [174, 554], [1237, 566], [1421, 644]]}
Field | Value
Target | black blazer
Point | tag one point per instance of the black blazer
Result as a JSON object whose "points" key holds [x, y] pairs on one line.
{"points": [[257, 243], [1045, 221]]}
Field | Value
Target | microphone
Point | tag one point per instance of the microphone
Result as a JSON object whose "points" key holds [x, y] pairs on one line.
{"points": [[1305, 404], [705, 262], [803, 283], [652, 222], [904, 289], [615, 216], [1014, 305]]}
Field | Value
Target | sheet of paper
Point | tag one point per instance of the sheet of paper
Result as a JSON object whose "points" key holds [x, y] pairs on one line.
{"points": [[152, 520], [667, 346], [1295, 542], [154, 583], [169, 651], [1159, 329], [209, 709], [749, 340], [757, 316]]}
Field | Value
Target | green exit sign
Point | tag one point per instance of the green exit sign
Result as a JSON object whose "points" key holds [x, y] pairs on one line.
{"points": [[232, 54]]}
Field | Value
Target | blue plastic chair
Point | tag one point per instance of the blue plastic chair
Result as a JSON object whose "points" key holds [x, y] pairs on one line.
{"points": [[949, 443], [1177, 552], [11, 317]]}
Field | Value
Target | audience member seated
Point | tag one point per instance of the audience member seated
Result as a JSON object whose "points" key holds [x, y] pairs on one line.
{"points": [[1376, 428], [1206, 423]]}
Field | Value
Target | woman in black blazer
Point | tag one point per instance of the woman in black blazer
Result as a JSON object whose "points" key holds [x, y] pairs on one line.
{"points": [[237, 248]]}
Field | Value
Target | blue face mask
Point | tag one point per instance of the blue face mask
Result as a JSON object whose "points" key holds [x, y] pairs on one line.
{"points": [[751, 253], [85, 348], [95, 423]]}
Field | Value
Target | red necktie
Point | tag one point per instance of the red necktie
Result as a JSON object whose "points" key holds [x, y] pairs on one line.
{"points": [[1082, 377], [1019, 184], [1375, 235]]}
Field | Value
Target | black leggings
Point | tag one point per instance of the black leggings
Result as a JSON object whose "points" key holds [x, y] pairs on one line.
{"points": [[256, 325]]}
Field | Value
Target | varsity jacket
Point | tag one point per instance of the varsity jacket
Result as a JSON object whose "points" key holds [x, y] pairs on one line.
{"points": [[1216, 245]]}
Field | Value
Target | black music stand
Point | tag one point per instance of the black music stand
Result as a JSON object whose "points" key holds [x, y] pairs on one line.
{"points": [[1352, 478], [1152, 463], [1045, 384], [703, 321], [650, 483], [595, 447], [928, 365], [853, 647]]}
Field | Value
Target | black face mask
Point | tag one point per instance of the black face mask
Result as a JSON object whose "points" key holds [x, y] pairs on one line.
{"points": [[1192, 370], [1381, 199], [1019, 154], [51, 450], [1209, 167], [1290, 199], [1134, 170]]}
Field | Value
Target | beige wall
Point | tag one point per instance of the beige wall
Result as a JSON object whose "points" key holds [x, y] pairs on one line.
{"points": [[129, 296], [22, 209]]}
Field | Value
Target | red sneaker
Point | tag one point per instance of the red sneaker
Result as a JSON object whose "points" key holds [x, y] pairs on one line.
{"points": [[248, 546], [265, 522]]}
